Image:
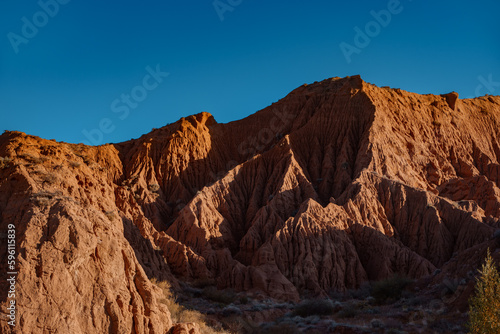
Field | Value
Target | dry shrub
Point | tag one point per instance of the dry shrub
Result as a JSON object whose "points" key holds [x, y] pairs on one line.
{"points": [[44, 198], [4, 162], [282, 328], [179, 313], [389, 289], [219, 296], [110, 215], [154, 187], [202, 283], [349, 311], [49, 178], [33, 159], [314, 307], [43, 201]]}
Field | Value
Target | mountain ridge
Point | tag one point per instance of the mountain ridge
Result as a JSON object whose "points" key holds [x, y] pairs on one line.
{"points": [[339, 183]]}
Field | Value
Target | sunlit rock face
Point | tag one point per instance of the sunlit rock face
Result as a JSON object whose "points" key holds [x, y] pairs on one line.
{"points": [[338, 183]]}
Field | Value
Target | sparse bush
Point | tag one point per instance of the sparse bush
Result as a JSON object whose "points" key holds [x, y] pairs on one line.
{"points": [[43, 201], [314, 307], [362, 292], [484, 315], [202, 283], [231, 310], [44, 198], [237, 324], [4, 162], [282, 329], [390, 288], [154, 187], [243, 300], [33, 159], [394, 331], [219, 296], [377, 323], [110, 215], [442, 326], [49, 178], [349, 311], [179, 313]]}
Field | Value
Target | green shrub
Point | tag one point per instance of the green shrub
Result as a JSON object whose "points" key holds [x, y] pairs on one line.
{"points": [[390, 288], [314, 307], [484, 315]]}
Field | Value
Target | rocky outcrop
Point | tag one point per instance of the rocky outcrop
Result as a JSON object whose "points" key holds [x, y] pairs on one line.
{"points": [[338, 183], [77, 272]]}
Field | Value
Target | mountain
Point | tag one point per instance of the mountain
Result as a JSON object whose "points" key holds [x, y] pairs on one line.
{"points": [[339, 183]]}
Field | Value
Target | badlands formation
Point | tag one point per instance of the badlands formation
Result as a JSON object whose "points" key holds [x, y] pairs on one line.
{"points": [[337, 184]]}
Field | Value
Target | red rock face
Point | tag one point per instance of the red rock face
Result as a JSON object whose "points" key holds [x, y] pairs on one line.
{"points": [[338, 183]]}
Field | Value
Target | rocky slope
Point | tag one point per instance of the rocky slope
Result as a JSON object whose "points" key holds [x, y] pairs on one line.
{"points": [[338, 183]]}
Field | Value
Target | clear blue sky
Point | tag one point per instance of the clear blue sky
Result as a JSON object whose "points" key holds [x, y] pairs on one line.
{"points": [[66, 76]]}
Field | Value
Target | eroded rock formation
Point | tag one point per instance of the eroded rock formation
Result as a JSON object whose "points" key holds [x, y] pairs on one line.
{"points": [[338, 183]]}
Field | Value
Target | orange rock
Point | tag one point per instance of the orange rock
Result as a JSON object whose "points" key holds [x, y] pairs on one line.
{"points": [[338, 183]]}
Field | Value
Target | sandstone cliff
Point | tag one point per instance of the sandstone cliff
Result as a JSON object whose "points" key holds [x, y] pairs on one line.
{"points": [[338, 183]]}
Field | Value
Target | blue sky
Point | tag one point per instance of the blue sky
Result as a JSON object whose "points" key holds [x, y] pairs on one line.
{"points": [[84, 67]]}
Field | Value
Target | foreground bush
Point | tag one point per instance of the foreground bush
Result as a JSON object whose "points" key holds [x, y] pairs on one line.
{"points": [[179, 313], [314, 307], [4, 162], [390, 288], [484, 315], [224, 297]]}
